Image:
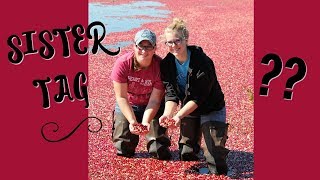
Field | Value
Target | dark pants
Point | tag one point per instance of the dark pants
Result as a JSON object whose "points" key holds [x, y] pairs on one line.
{"points": [[214, 131], [190, 138], [215, 137], [125, 142]]}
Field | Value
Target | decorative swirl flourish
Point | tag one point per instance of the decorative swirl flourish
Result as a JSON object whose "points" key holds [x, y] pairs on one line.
{"points": [[73, 131]]}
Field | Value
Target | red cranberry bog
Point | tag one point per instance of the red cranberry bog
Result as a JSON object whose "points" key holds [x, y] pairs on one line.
{"points": [[224, 29]]}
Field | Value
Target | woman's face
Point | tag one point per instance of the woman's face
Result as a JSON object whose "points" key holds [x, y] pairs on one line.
{"points": [[176, 44], [144, 53]]}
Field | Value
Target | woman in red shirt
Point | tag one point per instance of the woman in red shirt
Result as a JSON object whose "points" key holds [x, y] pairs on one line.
{"points": [[139, 95]]}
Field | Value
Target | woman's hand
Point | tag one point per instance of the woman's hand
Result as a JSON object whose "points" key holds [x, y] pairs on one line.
{"points": [[133, 129], [138, 129], [177, 121], [162, 120], [147, 125], [166, 121]]}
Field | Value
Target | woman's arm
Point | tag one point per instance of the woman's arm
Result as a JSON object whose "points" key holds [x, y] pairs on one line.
{"points": [[184, 111], [121, 90], [170, 108], [153, 106]]}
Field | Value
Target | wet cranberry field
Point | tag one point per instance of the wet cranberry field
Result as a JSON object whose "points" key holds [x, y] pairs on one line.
{"points": [[224, 29]]}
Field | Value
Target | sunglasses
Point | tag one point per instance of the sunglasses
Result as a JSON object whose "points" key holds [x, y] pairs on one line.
{"points": [[175, 42], [145, 48]]}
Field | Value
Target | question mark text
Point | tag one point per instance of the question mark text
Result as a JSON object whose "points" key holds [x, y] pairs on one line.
{"points": [[277, 69]]}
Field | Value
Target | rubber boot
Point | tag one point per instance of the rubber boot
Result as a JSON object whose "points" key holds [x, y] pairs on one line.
{"points": [[190, 136], [215, 137]]}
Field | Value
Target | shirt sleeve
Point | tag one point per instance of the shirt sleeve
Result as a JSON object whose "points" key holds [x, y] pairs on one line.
{"points": [[120, 70]]}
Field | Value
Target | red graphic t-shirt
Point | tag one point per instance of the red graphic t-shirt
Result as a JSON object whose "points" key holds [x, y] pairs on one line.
{"points": [[140, 83]]}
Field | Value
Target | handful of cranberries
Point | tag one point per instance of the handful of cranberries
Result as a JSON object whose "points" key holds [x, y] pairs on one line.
{"points": [[168, 122], [140, 128]]}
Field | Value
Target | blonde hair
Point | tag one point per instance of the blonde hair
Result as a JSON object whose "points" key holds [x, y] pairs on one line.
{"points": [[179, 26]]}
